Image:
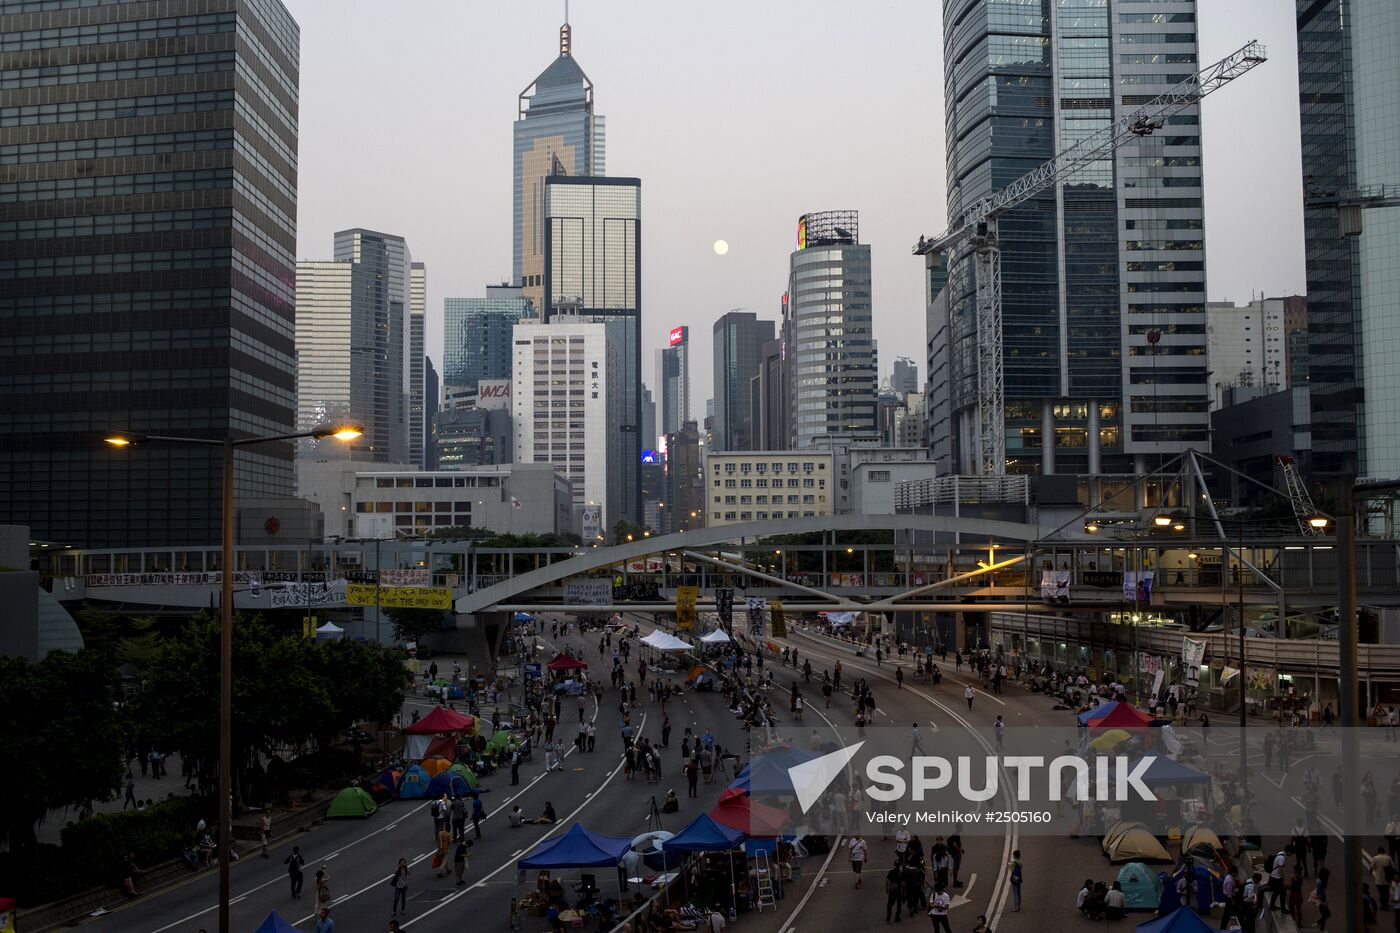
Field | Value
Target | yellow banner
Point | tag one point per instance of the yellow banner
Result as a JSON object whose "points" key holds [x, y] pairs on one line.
{"points": [[775, 612], [685, 606], [399, 597]]}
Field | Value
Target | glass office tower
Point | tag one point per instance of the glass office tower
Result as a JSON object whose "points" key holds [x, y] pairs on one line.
{"points": [[739, 337], [148, 173], [673, 371], [593, 270], [1103, 276], [556, 132], [477, 335]]}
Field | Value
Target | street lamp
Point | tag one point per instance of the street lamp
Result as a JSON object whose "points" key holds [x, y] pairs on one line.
{"points": [[1317, 522], [1163, 520], [345, 431]]}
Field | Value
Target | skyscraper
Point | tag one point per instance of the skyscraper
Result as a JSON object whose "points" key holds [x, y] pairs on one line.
{"points": [[353, 342], [738, 341], [1103, 276], [477, 335], [593, 272], [419, 415], [827, 329], [905, 377], [431, 394], [147, 241], [673, 372], [556, 132]]}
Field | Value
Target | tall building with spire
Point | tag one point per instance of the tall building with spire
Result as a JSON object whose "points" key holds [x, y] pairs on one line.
{"points": [[556, 133]]}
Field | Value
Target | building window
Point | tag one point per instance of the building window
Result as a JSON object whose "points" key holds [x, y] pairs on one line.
{"points": [[879, 476]]}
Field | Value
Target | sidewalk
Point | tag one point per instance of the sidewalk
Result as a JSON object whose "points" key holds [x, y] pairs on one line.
{"points": [[147, 788]]}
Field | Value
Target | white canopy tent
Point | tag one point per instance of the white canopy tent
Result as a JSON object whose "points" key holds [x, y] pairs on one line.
{"points": [[717, 637], [664, 641], [330, 632]]}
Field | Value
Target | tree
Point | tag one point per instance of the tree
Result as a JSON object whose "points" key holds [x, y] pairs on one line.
{"points": [[61, 733], [413, 624], [624, 531]]}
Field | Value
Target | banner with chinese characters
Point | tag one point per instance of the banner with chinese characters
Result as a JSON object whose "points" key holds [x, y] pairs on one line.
{"points": [[292, 595], [685, 606], [1149, 663], [756, 606], [399, 597], [596, 592], [1193, 655], [1054, 585], [724, 607], [775, 611]]}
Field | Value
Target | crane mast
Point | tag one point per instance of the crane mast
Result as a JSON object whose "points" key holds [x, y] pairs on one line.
{"points": [[976, 229]]}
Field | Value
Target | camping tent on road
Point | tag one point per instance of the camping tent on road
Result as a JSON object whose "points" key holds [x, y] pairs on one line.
{"points": [[1132, 842], [441, 719], [450, 783], [352, 802], [413, 783], [1142, 889]]}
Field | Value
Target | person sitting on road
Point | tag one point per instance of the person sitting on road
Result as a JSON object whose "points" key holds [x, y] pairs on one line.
{"points": [[547, 816], [671, 804], [517, 817], [1113, 903]]}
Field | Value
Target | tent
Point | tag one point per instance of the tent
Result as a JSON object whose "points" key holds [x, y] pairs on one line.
{"points": [[450, 783], [1111, 739], [523, 617], [1122, 716], [1184, 920], [275, 924], [1142, 889], [577, 848], [767, 772], [442, 746], [1208, 877], [1098, 712], [704, 834], [1132, 842], [329, 632], [413, 783], [664, 641], [1164, 772], [718, 637], [351, 802], [647, 850], [465, 772], [1202, 836], [501, 740], [441, 719], [567, 663], [739, 811], [435, 766]]}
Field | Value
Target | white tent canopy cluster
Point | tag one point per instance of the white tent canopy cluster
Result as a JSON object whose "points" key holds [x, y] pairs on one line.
{"points": [[664, 641]]}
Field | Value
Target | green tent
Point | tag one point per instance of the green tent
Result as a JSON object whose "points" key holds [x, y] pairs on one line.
{"points": [[351, 802], [466, 773], [501, 741]]}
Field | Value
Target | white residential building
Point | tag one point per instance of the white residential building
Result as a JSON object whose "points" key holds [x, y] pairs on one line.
{"points": [[749, 486]]}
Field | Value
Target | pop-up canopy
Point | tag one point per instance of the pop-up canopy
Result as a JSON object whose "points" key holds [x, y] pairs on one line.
{"points": [[1184, 920], [441, 719], [578, 848], [567, 663], [664, 641], [717, 637], [704, 834]]}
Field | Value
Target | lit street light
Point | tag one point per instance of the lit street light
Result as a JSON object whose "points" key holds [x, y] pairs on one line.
{"points": [[344, 432]]}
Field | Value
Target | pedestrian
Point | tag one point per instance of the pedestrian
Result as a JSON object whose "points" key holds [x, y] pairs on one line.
{"points": [[515, 767], [1249, 903], [130, 797], [969, 693], [400, 885], [459, 817], [1015, 878], [999, 728], [478, 814], [459, 861], [938, 907], [265, 828], [323, 888], [894, 892], [295, 863], [692, 776], [444, 849], [1276, 888], [917, 746], [592, 736], [666, 732], [438, 811], [1382, 873], [325, 924], [859, 849]]}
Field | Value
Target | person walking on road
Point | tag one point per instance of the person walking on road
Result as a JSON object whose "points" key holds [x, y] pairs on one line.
{"points": [[324, 924], [918, 746], [478, 814], [444, 849], [938, 906], [265, 828], [969, 693], [459, 862], [859, 849], [999, 727], [1015, 879], [130, 797], [323, 889], [438, 811], [400, 885], [295, 863], [894, 892], [459, 817]]}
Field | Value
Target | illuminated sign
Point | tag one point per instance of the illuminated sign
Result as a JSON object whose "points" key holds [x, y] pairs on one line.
{"points": [[677, 335], [649, 456], [802, 232]]}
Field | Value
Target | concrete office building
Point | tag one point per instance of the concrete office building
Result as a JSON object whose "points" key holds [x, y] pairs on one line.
{"points": [[739, 337], [556, 132], [473, 428], [832, 377], [593, 272], [559, 404], [354, 344], [1247, 346], [1253, 428], [477, 333], [684, 505], [673, 373], [418, 412], [905, 376], [147, 248], [764, 485], [1102, 277], [432, 388]]}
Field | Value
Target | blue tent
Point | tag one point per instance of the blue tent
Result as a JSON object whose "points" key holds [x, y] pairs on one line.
{"points": [[577, 848], [1163, 771], [768, 845], [1098, 712], [1142, 889], [413, 783], [1182, 920], [704, 835], [767, 773], [451, 783], [524, 617], [275, 924]]}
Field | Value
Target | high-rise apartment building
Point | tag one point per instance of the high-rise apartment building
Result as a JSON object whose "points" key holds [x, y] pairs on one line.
{"points": [[738, 341], [556, 132], [1102, 276], [673, 373], [148, 190], [477, 334], [559, 403], [354, 344], [418, 412], [827, 328], [593, 272]]}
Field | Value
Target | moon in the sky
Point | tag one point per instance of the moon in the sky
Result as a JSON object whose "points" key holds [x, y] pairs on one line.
{"points": [[721, 247]]}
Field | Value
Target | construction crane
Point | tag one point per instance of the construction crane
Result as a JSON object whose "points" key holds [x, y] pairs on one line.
{"points": [[976, 228], [1350, 204], [1303, 509]]}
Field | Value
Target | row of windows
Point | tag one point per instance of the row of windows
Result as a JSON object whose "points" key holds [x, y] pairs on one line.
{"points": [[757, 516], [1158, 58], [116, 147], [1154, 38], [763, 500], [1156, 17], [117, 108], [112, 341], [419, 507], [762, 483], [1139, 287], [110, 185], [1135, 245], [1171, 79], [115, 381], [427, 482], [1166, 265], [34, 39], [792, 467], [123, 70], [110, 224], [154, 261]]}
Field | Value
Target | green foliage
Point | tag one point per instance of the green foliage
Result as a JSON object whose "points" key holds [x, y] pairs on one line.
{"points": [[96, 847], [622, 528], [413, 624], [62, 737]]}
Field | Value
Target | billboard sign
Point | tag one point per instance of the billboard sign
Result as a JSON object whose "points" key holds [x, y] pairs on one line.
{"points": [[649, 456], [678, 335], [592, 522], [493, 393]]}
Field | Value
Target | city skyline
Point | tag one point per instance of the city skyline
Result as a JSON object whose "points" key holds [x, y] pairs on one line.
{"points": [[462, 167]]}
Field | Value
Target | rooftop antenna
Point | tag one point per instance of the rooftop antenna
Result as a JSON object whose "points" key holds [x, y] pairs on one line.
{"points": [[565, 34]]}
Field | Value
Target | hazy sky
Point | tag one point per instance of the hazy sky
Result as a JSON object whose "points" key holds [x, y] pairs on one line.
{"points": [[738, 116]]}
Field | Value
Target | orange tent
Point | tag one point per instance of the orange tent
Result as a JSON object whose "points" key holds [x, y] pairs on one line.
{"points": [[435, 766]]}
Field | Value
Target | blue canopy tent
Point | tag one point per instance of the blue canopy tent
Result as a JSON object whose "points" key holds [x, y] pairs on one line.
{"points": [[1163, 772], [275, 924], [767, 772], [524, 617], [1098, 712], [1182, 920], [703, 834], [579, 848]]}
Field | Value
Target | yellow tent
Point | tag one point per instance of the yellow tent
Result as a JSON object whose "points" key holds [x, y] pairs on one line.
{"points": [[435, 766], [1111, 739], [1132, 842], [1201, 834]]}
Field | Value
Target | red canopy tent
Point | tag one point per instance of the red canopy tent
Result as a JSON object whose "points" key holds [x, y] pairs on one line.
{"points": [[567, 663], [444, 746], [1123, 716], [441, 719], [737, 810]]}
